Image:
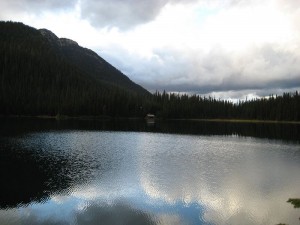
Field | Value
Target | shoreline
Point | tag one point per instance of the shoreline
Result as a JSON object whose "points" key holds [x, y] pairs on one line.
{"points": [[106, 118], [240, 121]]}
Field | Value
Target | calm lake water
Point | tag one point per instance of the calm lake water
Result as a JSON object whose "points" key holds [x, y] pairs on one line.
{"points": [[128, 172]]}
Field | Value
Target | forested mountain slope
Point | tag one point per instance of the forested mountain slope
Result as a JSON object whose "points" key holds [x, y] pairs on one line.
{"points": [[41, 74], [89, 62]]}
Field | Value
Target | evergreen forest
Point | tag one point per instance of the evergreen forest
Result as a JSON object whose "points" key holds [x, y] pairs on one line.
{"points": [[43, 75]]}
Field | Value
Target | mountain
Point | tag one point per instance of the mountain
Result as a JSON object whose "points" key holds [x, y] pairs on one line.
{"points": [[90, 62], [41, 74]]}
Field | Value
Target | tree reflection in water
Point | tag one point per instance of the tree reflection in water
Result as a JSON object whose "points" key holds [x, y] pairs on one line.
{"points": [[28, 176]]}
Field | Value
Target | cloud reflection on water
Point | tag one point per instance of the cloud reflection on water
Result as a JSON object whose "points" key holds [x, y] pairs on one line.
{"points": [[236, 180], [166, 179]]}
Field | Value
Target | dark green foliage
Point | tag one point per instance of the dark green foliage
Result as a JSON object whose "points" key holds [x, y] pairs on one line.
{"points": [[97, 68], [285, 107], [295, 202], [279, 108]]}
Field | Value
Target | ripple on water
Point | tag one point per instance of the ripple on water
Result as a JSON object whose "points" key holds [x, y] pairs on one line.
{"points": [[150, 178]]}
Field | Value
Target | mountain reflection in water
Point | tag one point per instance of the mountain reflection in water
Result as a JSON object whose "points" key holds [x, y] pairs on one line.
{"points": [[82, 172]]}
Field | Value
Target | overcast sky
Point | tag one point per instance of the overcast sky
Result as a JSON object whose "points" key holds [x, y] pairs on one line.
{"points": [[223, 48]]}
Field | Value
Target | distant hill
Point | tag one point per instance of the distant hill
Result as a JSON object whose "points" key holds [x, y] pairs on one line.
{"points": [[41, 74]]}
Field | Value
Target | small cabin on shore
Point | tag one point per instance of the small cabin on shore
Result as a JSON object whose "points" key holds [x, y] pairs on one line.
{"points": [[150, 118]]}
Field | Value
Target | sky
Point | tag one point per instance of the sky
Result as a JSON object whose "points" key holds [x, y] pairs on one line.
{"points": [[228, 49]]}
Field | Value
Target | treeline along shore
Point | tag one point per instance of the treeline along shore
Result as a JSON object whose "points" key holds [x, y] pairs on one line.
{"points": [[284, 108], [43, 75]]}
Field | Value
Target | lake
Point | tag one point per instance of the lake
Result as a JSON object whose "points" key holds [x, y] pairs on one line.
{"points": [[131, 172]]}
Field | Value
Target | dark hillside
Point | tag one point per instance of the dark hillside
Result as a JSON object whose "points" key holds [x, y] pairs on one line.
{"points": [[36, 79], [90, 63]]}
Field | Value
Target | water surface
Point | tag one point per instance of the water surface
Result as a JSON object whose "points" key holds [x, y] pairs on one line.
{"points": [[83, 172]]}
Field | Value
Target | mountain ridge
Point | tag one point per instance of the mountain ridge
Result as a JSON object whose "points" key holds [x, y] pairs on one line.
{"points": [[55, 39], [90, 62], [41, 74]]}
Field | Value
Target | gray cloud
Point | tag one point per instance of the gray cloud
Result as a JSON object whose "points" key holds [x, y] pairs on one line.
{"points": [[49, 5], [33, 7], [290, 5], [262, 68], [123, 14]]}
